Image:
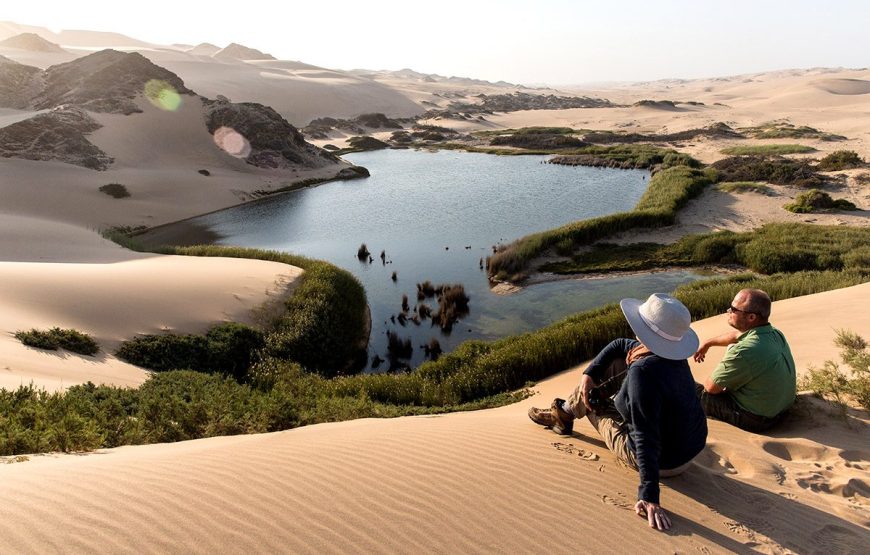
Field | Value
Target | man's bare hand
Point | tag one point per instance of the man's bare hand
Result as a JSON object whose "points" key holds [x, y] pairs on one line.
{"points": [[657, 517], [586, 384], [702, 353]]}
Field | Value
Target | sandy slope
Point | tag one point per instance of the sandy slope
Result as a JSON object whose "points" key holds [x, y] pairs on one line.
{"points": [[62, 275], [482, 482]]}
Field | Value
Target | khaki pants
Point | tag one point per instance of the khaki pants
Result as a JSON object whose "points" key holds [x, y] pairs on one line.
{"points": [[610, 425]]}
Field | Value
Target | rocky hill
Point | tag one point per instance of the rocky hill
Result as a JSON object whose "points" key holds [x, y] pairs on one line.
{"points": [[526, 101], [107, 81], [18, 84], [264, 138], [235, 51], [32, 43], [113, 82], [56, 135]]}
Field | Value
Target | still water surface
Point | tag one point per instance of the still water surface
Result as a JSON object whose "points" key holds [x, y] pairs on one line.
{"points": [[436, 215]]}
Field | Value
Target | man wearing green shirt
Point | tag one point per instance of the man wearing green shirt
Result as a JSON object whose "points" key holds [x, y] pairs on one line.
{"points": [[755, 383]]}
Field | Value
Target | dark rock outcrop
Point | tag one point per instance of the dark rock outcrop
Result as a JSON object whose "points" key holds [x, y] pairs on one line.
{"points": [[274, 143], [56, 135], [526, 101], [18, 83], [107, 81]]}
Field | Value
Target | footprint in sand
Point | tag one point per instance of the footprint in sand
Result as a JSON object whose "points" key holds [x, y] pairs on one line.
{"points": [[797, 451], [616, 502], [779, 474], [715, 462], [572, 449]]}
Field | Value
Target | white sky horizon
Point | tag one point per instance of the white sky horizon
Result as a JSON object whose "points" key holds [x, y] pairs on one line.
{"points": [[553, 42]]}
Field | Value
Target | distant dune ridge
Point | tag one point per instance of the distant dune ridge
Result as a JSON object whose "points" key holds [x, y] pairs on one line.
{"points": [[204, 49], [235, 51], [32, 42]]}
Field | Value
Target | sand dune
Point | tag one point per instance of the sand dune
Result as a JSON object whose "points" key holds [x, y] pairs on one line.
{"points": [[57, 274], [482, 482], [67, 277]]}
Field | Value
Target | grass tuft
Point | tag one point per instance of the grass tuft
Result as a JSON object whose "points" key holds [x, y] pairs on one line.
{"points": [[744, 187], [56, 338], [815, 200]]}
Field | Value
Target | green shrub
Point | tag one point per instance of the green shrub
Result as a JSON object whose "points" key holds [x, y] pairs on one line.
{"points": [[227, 348], [538, 140], [781, 171], [770, 249], [56, 338], [782, 130], [233, 348], [324, 321], [857, 259], [165, 352], [767, 150], [831, 382], [840, 160], [115, 190], [564, 247], [744, 186], [814, 200], [668, 191]]}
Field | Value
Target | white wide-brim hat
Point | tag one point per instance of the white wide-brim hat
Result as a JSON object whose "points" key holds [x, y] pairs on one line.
{"points": [[662, 323]]}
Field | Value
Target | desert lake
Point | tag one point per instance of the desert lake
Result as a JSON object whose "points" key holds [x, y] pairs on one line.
{"points": [[436, 215]]}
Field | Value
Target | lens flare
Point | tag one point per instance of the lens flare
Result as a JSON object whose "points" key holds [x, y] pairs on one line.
{"points": [[232, 142], [162, 95]]}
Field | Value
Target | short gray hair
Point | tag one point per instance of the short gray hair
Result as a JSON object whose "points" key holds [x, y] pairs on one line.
{"points": [[758, 301]]}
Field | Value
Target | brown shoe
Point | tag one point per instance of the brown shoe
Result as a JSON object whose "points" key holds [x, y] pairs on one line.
{"points": [[544, 417], [563, 421]]}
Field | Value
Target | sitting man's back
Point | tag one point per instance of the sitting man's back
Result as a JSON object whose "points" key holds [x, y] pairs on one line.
{"points": [[755, 383]]}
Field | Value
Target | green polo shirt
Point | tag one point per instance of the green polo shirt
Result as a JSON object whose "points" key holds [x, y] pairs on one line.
{"points": [[759, 372]]}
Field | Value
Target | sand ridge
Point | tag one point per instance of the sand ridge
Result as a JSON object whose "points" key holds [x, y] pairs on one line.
{"points": [[478, 482]]}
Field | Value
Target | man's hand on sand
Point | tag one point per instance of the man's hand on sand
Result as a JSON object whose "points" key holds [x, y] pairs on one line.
{"points": [[702, 352], [586, 384], [655, 514]]}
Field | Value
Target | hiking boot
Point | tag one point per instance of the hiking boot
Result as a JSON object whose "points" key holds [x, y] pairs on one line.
{"points": [[544, 417], [563, 422]]}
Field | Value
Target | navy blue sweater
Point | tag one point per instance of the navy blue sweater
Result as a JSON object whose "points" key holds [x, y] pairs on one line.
{"points": [[657, 400]]}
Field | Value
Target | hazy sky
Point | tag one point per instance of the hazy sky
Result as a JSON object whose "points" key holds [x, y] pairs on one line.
{"points": [[546, 41]]}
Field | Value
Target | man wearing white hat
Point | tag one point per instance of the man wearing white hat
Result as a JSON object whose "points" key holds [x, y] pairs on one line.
{"points": [[655, 423]]}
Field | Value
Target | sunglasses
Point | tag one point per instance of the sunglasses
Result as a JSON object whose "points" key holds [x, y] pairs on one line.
{"points": [[733, 308]]}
